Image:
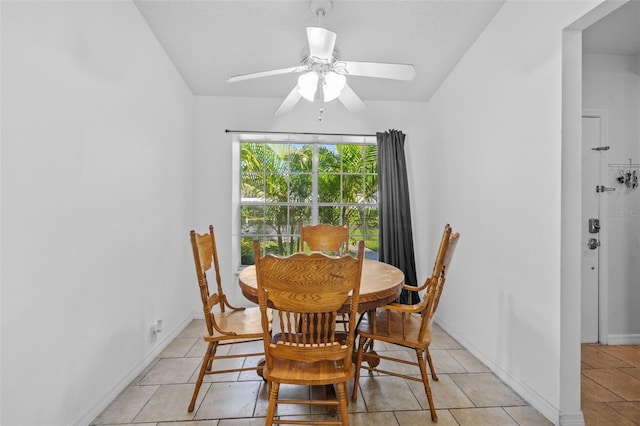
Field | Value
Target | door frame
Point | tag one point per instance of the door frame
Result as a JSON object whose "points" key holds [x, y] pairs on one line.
{"points": [[603, 235]]}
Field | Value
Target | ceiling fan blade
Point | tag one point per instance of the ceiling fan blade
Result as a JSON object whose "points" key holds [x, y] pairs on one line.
{"points": [[321, 42], [242, 77], [289, 102], [380, 70], [351, 101]]}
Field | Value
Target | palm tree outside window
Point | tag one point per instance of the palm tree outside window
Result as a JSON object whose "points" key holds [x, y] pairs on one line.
{"points": [[282, 183]]}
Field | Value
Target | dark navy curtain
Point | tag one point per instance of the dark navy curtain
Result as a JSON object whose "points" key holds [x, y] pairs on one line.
{"points": [[395, 234]]}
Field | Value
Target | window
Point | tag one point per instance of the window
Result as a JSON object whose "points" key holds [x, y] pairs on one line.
{"points": [[283, 182]]}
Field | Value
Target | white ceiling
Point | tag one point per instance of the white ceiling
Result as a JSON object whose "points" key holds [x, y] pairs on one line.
{"points": [[212, 40], [617, 33]]}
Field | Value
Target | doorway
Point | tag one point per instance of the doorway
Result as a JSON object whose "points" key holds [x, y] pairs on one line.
{"points": [[594, 307], [571, 218]]}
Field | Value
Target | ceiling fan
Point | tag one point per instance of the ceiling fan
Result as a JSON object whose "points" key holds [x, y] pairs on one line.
{"points": [[323, 75]]}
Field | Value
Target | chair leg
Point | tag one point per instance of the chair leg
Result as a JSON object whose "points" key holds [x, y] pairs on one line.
{"points": [[433, 370], [273, 402], [425, 381], [356, 376], [342, 399], [213, 354], [206, 366], [345, 321]]}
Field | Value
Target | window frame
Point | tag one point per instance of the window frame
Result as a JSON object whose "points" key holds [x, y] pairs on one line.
{"points": [[316, 140]]}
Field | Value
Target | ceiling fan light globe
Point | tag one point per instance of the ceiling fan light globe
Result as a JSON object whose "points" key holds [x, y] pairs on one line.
{"points": [[333, 85], [307, 85]]}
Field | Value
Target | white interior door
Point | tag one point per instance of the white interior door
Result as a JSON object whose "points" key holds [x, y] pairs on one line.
{"points": [[592, 157]]}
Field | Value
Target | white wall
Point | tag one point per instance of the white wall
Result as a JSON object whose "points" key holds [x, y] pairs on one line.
{"points": [[97, 144], [612, 83], [214, 157], [97, 139], [495, 135]]}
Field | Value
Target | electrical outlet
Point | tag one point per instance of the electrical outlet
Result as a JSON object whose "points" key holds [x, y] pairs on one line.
{"points": [[155, 329]]}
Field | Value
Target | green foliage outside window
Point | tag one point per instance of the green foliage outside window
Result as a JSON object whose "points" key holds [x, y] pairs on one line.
{"points": [[277, 192]]}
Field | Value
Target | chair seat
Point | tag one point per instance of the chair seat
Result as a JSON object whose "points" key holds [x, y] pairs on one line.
{"points": [[245, 323], [412, 324], [308, 373]]}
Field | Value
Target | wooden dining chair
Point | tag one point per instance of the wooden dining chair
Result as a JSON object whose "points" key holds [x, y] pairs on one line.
{"points": [[307, 290], [407, 325], [226, 324], [325, 238], [329, 239]]}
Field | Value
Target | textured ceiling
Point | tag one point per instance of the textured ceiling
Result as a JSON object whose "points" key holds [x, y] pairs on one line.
{"points": [[209, 41]]}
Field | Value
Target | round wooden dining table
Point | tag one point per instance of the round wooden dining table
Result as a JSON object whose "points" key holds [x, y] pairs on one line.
{"points": [[380, 284]]}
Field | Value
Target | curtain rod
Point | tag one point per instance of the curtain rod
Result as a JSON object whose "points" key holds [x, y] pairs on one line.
{"points": [[298, 133]]}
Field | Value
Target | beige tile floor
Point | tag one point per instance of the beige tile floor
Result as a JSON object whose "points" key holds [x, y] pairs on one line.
{"points": [[466, 394], [611, 385]]}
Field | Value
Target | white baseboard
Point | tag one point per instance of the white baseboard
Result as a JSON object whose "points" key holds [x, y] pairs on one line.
{"points": [[163, 342], [522, 389], [571, 419], [624, 339]]}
